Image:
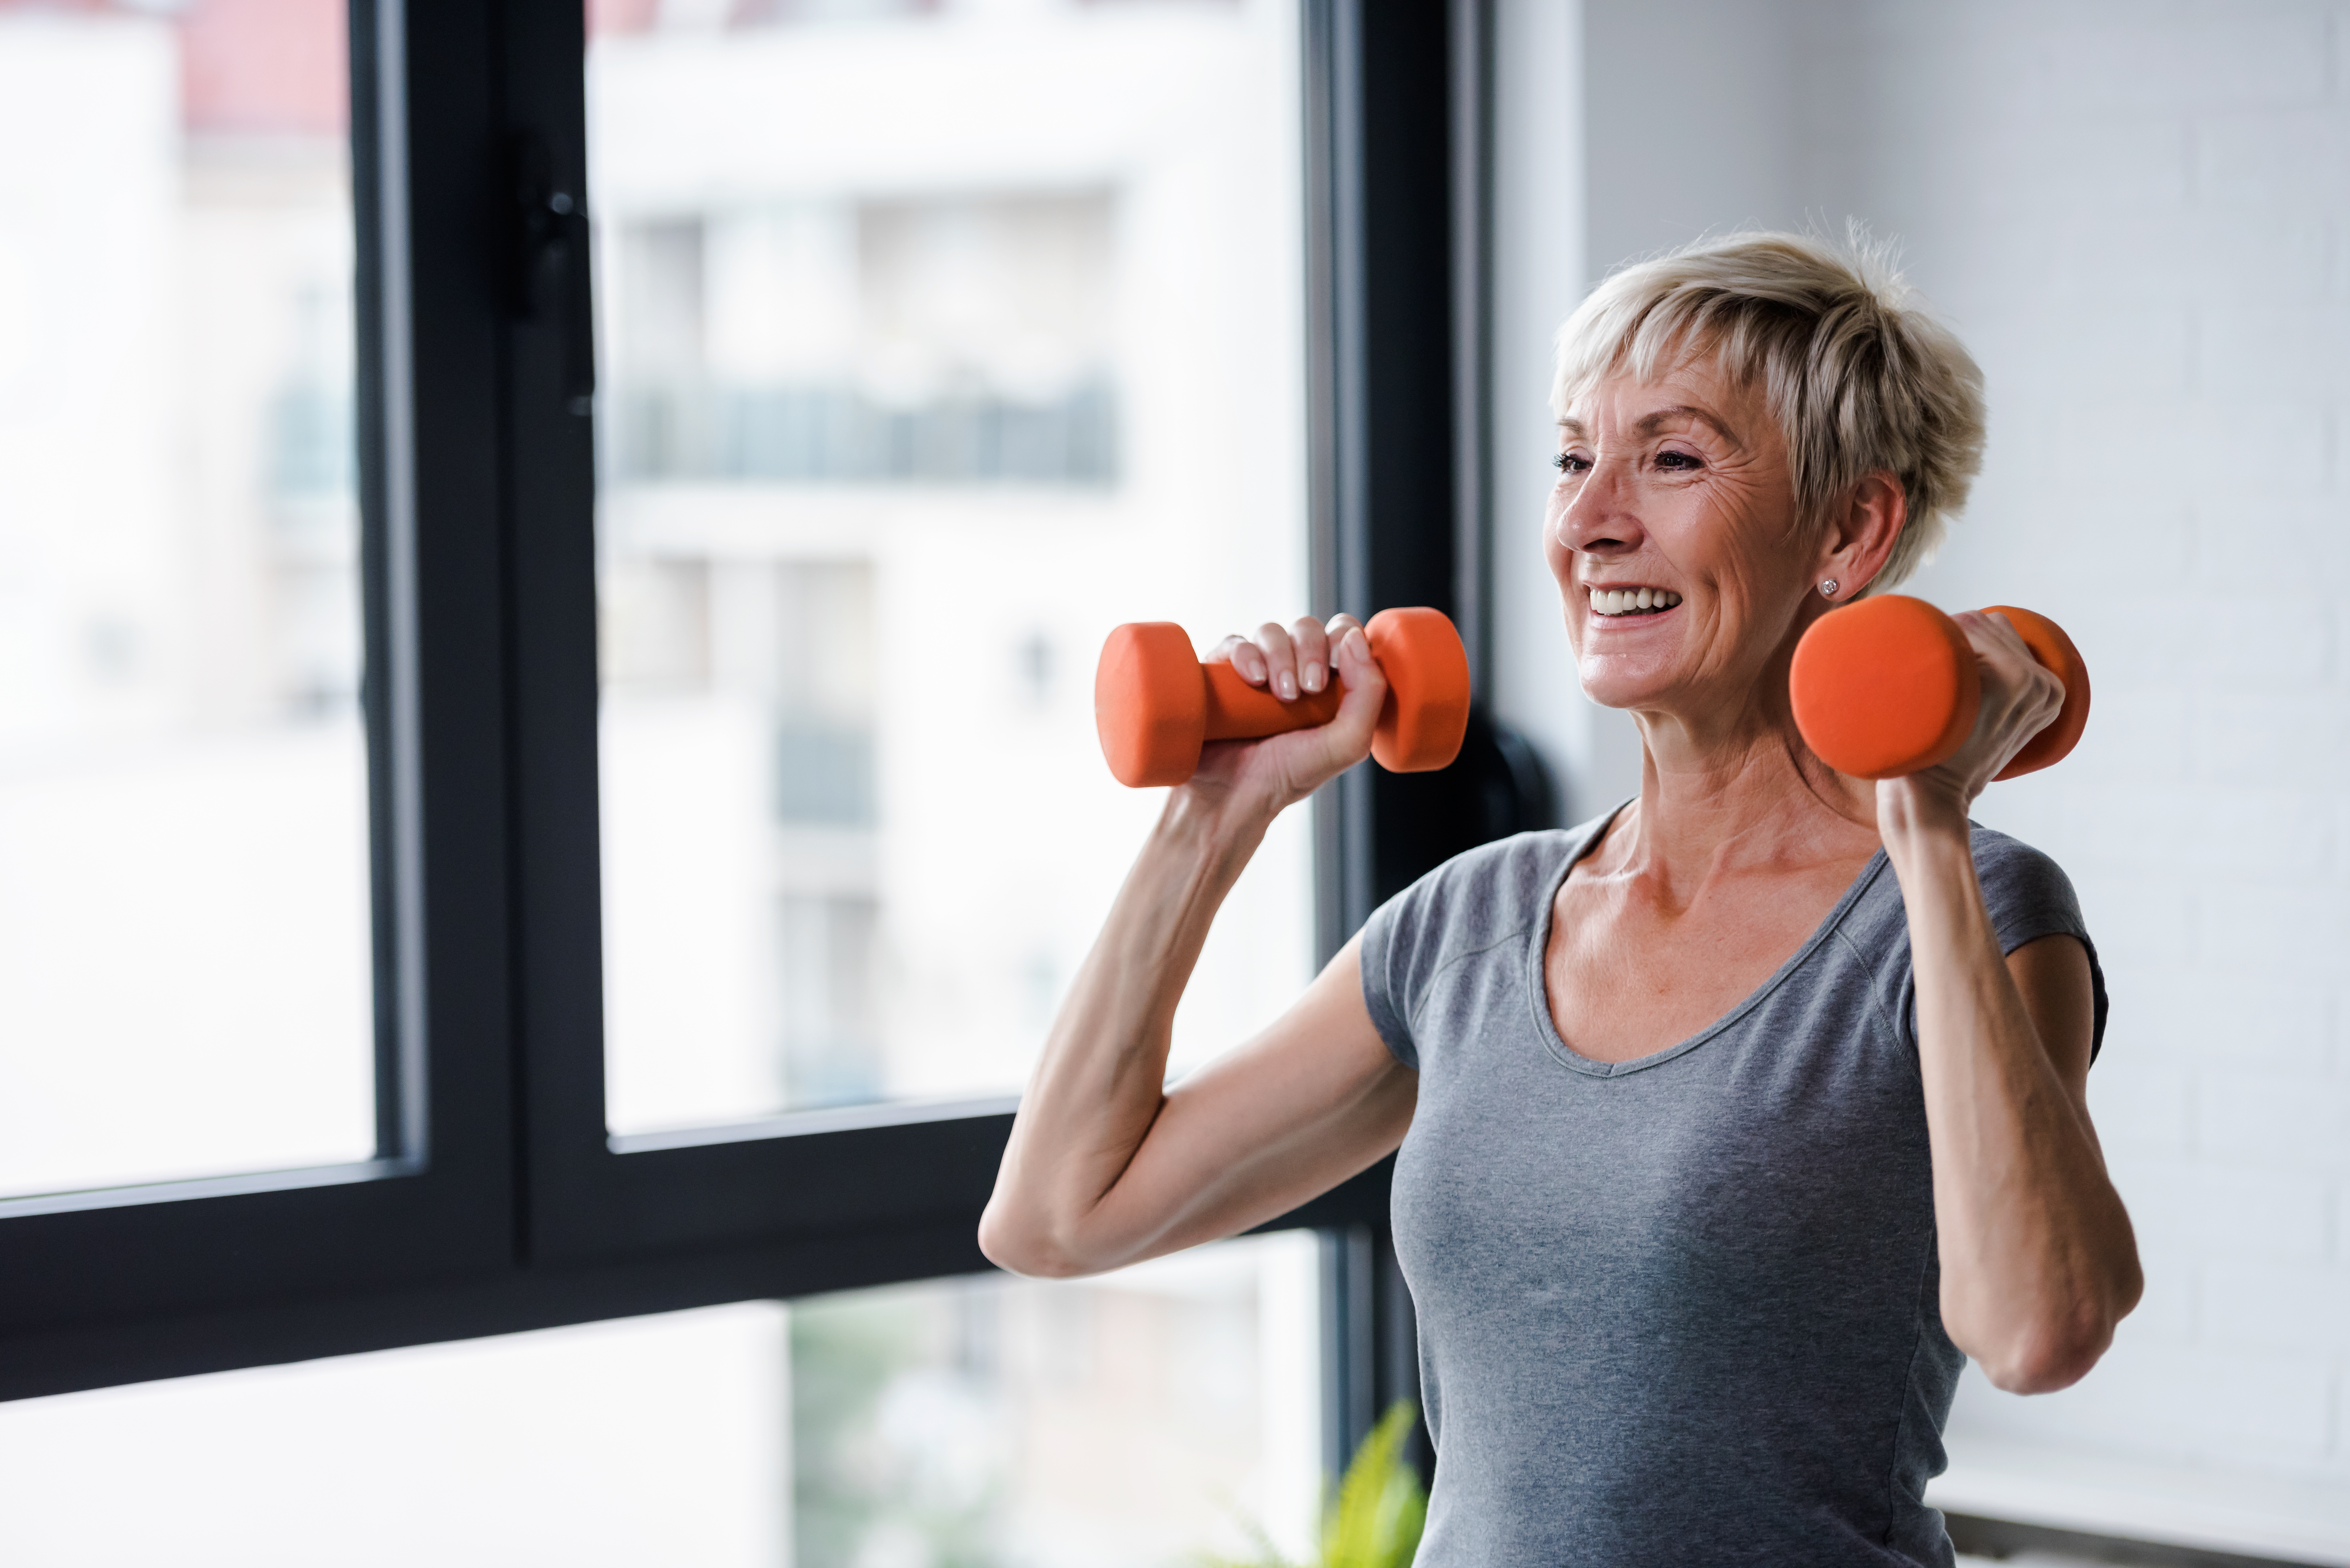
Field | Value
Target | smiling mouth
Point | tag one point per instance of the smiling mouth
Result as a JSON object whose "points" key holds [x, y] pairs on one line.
{"points": [[1613, 603]]}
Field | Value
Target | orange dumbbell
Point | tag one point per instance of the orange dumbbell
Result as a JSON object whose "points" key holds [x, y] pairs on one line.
{"points": [[1156, 704], [1888, 686]]}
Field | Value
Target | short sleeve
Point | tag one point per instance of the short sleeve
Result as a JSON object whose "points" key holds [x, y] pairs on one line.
{"points": [[1492, 894], [1395, 931], [2029, 897]]}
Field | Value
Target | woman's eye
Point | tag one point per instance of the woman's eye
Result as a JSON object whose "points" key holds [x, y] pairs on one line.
{"points": [[1678, 460], [1569, 463]]}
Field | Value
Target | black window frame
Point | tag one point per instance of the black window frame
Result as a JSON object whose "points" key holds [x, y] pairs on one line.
{"points": [[501, 1204]]}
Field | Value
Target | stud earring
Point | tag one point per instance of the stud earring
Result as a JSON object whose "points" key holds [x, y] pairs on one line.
{"points": [[1829, 588]]}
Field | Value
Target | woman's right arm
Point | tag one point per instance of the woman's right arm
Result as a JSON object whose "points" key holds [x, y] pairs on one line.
{"points": [[1106, 1166]]}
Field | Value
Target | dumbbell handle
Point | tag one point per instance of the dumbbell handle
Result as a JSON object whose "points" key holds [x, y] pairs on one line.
{"points": [[1239, 711]]}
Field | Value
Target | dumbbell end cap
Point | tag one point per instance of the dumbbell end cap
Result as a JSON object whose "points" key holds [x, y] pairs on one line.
{"points": [[1150, 705], [1426, 716], [1884, 686]]}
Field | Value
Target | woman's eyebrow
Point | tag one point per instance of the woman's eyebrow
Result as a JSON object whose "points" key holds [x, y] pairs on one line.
{"points": [[1650, 424]]}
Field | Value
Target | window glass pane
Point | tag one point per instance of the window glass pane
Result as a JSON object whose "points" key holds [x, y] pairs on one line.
{"points": [[938, 340], [184, 971], [1144, 1417]]}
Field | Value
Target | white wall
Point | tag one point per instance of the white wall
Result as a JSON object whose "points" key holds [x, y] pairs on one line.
{"points": [[2137, 215], [1593, 169]]}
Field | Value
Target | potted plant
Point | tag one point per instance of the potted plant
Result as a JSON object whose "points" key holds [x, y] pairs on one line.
{"points": [[1376, 1517]]}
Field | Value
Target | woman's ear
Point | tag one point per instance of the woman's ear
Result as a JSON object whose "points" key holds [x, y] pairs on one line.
{"points": [[1863, 531]]}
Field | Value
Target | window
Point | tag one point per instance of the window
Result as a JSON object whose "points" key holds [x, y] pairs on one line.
{"points": [[185, 954], [592, 870]]}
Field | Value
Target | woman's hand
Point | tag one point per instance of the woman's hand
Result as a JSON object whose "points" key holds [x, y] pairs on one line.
{"points": [[1291, 661], [2021, 697]]}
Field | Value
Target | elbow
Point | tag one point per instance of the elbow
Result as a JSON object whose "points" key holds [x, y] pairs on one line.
{"points": [[2039, 1343], [2053, 1351], [1018, 1247], [2041, 1369]]}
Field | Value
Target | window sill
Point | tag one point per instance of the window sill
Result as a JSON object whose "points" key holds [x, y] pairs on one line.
{"points": [[2168, 1503]]}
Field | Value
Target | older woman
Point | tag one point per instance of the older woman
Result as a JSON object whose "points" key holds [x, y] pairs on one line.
{"points": [[1730, 1121]]}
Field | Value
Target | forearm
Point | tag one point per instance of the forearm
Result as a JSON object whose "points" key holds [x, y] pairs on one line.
{"points": [[2038, 1261], [1099, 1085]]}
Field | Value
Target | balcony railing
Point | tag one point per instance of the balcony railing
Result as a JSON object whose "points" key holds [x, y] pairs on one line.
{"points": [[823, 435]]}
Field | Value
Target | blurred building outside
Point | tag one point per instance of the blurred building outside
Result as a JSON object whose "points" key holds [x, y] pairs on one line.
{"points": [[185, 950], [933, 349]]}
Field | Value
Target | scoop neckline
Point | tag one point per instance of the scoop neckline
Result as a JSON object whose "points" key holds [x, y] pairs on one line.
{"points": [[1538, 978]]}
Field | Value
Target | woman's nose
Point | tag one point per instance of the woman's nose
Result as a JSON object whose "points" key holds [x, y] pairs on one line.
{"points": [[1599, 517]]}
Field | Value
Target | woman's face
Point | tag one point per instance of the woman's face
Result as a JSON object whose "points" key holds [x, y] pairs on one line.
{"points": [[1678, 487]]}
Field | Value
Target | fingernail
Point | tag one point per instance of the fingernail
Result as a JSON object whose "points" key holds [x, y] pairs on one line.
{"points": [[1315, 676], [1287, 684]]}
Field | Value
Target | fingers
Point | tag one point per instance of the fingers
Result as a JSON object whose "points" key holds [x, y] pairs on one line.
{"points": [[2000, 647], [2048, 698], [2020, 695], [1292, 660], [1999, 644], [1313, 645], [1988, 629], [1314, 648], [1350, 655], [1243, 656], [1330, 749], [1280, 661]]}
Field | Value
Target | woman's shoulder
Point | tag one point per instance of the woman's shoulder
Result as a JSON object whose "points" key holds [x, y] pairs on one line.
{"points": [[1481, 901], [1489, 893], [2025, 890], [2024, 887]]}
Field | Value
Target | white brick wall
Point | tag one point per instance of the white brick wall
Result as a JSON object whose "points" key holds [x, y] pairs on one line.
{"points": [[2136, 213]]}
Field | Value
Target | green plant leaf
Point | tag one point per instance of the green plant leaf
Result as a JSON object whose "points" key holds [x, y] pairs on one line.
{"points": [[1381, 1509], [1375, 1519]]}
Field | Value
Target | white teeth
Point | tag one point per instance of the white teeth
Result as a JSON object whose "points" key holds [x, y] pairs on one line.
{"points": [[1625, 601]]}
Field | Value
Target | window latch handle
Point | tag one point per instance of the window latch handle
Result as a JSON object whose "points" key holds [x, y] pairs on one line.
{"points": [[550, 277]]}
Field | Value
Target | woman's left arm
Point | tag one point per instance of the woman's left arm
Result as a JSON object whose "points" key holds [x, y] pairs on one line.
{"points": [[2039, 1261]]}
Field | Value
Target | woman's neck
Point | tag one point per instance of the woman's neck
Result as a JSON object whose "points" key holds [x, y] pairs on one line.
{"points": [[1751, 799]]}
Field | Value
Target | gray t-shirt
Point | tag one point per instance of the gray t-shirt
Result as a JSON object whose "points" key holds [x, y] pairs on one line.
{"points": [[1682, 1310]]}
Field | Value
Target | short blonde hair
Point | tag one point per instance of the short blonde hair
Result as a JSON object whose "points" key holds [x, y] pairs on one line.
{"points": [[1861, 376]]}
